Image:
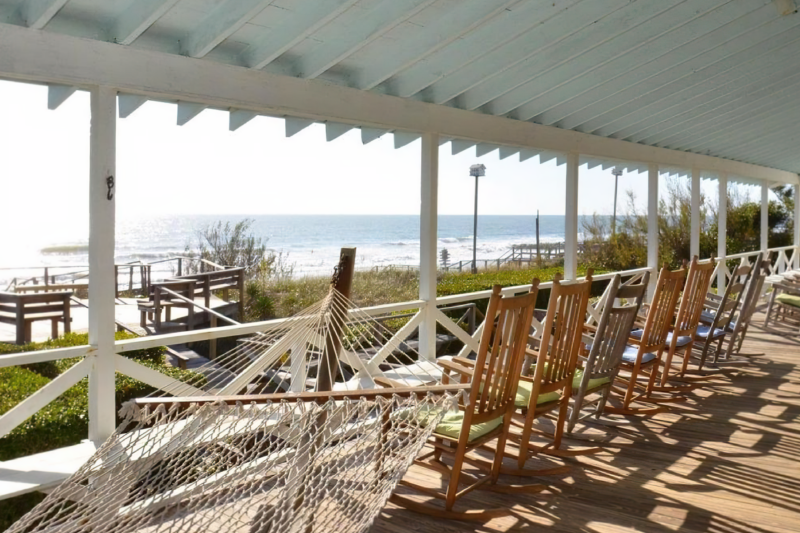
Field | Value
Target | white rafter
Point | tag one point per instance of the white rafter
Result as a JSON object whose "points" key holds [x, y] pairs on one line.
{"points": [[220, 24], [136, 18], [459, 20], [37, 13], [334, 130], [188, 110], [58, 94], [238, 118], [308, 18], [128, 103], [295, 125], [370, 134], [457, 146], [372, 23], [402, 138]]}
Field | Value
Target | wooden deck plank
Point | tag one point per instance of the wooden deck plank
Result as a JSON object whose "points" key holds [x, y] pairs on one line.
{"points": [[725, 461]]}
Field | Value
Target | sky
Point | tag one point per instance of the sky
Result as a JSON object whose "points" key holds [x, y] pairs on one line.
{"points": [[202, 168]]}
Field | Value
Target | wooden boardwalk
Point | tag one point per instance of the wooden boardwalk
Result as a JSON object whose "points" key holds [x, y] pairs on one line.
{"points": [[726, 461]]}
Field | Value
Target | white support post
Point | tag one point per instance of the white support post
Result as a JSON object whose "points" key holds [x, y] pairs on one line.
{"points": [[764, 216], [694, 246], [652, 226], [797, 226], [722, 230], [429, 210], [102, 199], [571, 218]]}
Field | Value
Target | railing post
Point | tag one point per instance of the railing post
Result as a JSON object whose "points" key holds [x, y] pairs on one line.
{"points": [[180, 266], [571, 218], [429, 205], [102, 285], [722, 230], [765, 215], [796, 255], [694, 247], [652, 226]]}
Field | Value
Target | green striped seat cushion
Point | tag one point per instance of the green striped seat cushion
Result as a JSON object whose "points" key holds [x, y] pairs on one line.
{"points": [[525, 388], [451, 423]]}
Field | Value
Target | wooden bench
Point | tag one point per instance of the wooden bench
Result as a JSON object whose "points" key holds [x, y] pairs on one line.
{"points": [[24, 309], [160, 300], [219, 280]]}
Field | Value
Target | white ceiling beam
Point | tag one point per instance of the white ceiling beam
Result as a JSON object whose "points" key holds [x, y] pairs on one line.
{"points": [[422, 41], [485, 148], [221, 23], [188, 110], [136, 18], [402, 138], [459, 145], [508, 151], [295, 125], [508, 25], [128, 103], [370, 134], [47, 57], [334, 130], [371, 24], [58, 94], [36, 14], [239, 117], [307, 18]]}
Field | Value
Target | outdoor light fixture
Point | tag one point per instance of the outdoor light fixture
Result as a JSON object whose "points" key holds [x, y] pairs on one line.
{"points": [[478, 171]]}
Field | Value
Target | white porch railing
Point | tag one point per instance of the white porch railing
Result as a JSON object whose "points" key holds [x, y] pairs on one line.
{"points": [[782, 259]]}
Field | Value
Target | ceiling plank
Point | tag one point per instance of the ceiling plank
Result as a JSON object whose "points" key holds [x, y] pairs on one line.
{"points": [[58, 94], [373, 23], [307, 19], [37, 13], [136, 18], [128, 103], [221, 23]]}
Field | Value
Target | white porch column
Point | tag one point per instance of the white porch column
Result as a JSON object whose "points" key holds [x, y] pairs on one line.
{"points": [[797, 226], [571, 218], [652, 225], [764, 215], [722, 229], [694, 243], [102, 197], [429, 209]]}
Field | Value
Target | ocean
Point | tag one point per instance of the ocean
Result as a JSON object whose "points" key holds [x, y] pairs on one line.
{"points": [[310, 242]]}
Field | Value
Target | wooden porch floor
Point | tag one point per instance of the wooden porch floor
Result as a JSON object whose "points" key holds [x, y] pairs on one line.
{"points": [[726, 461]]}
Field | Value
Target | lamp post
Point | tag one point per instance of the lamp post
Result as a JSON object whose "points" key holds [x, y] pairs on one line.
{"points": [[617, 173], [477, 170]]}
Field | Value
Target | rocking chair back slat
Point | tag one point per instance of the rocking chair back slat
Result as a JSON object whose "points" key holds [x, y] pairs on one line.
{"points": [[662, 310], [693, 299], [500, 354]]}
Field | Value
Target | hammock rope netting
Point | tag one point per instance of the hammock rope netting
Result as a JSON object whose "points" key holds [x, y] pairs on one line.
{"points": [[290, 462]]}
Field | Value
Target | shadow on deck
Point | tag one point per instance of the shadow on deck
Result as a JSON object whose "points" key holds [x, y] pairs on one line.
{"points": [[726, 461]]}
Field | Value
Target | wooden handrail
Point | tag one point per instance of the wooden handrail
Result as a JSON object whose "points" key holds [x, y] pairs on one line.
{"points": [[202, 307]]}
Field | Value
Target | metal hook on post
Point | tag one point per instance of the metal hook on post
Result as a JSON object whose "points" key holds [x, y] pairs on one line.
{"points": [[110, 185]]}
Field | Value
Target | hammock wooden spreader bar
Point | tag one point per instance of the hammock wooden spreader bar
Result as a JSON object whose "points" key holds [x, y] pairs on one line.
{"points": [[315, 397]]}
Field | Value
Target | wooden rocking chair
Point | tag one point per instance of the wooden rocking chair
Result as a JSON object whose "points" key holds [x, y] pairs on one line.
{"points": [[681, 336], [651, 341], [738, 326], [592, 384], [711, 335], [549, 389], [493, 378]]}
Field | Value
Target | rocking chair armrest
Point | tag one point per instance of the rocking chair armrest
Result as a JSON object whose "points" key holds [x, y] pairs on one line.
{"points": [[464, 371], [792, 289], [388, 383], [590, 328], [463, 361], [634, 340]]}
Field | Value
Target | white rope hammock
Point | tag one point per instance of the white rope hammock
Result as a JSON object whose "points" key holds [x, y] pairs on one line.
{"points": [[257, 447]]}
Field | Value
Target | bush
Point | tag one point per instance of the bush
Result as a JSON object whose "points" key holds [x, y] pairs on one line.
{"points": [[12, 509], [65, 421]]}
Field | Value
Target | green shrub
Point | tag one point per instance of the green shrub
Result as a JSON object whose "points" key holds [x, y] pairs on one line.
{"points": [[12, 509], [65, 421]]}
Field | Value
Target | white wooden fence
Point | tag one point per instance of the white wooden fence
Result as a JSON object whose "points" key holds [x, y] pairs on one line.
{"points": [[782, 259]]}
